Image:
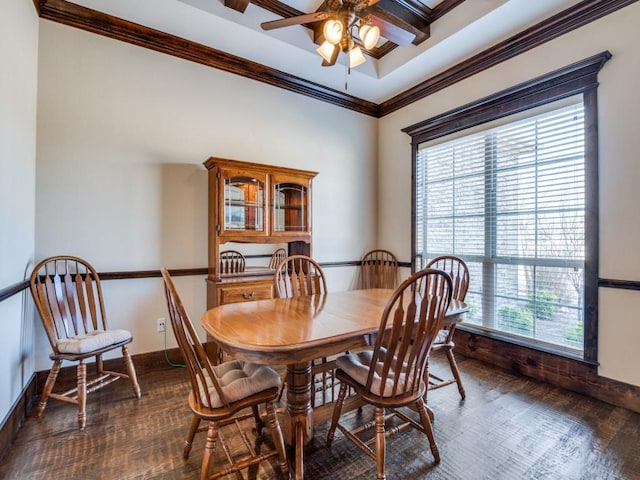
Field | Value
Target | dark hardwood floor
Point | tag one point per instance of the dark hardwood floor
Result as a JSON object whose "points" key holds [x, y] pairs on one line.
{"points": [[508, 428]]}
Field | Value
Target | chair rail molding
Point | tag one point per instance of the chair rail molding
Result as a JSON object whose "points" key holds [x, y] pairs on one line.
{"points": [[185, 272]]}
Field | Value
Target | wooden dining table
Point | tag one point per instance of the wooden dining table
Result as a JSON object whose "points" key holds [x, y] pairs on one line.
{"points": [[295, 331]]}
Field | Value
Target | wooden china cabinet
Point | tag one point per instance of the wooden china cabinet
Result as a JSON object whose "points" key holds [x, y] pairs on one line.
{"points": [[251, 203]]}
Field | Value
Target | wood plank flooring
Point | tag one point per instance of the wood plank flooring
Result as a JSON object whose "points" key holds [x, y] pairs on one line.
{"points": [[509, 427]]}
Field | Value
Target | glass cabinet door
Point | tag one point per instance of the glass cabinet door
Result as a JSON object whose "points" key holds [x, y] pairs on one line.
{"points": [[290, 206], [243, 203]]}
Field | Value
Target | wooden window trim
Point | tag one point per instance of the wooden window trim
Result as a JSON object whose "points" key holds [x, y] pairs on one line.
{"points": [[578, 78]]}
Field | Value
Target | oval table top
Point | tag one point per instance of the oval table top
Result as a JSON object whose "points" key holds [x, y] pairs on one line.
{"points": [[291, 330]]}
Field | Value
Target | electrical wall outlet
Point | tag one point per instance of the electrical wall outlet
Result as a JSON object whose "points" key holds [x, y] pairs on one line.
{"points": [[160, 324]]}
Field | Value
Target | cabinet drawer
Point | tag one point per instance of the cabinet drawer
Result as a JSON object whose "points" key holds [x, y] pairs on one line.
{"points": [[245, 293]]}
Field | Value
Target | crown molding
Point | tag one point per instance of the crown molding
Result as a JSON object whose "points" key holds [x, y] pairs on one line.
{"points": [[67, 13], [570, 19]]}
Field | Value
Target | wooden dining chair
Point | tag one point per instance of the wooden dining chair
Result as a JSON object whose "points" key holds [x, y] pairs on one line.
{"points": [[301, 276], [231, 261], [67, 293], [278, 256], [219, 393], [392, 374], [379, 269], [459, 273]]}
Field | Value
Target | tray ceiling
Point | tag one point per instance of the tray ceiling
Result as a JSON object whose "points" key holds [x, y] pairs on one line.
{"points": [[455, 30]]}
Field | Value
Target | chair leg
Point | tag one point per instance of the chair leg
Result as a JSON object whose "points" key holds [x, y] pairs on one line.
{"points": [[426, 381], [337, 410], [428, 429], [257, 419], [426, 391], [209, 450], [188, 443], [82, 394], [278, 439], [99, 365], [282, 387], [380, 444], [48, 387], [456, 372], [313, 385], [131, 371]]}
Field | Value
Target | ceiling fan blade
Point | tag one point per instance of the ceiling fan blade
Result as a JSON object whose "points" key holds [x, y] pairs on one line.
{"points": [[362, 4], [391, 31], [237, 5], [297, 20]]}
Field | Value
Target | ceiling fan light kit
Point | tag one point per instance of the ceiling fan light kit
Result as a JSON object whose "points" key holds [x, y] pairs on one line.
{"points": [[333, 30], [337, 39], [328, 51], [369, 34], [356, 57], [341, 18]]}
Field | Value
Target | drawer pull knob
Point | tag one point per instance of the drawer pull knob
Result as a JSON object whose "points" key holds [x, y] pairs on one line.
{"points": [[247, 296]]}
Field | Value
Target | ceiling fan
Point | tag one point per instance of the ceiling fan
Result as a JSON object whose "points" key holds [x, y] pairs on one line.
{"points": [[342, 18]]}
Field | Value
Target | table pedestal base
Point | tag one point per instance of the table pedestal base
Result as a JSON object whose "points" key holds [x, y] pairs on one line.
{"points": [[298, 422]]}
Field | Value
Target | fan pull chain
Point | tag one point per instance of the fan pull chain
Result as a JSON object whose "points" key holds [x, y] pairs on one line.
{"points": [[347, 71]]}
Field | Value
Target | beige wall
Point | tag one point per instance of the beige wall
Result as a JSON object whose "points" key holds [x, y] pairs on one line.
{"points": [[122, 134], [123, 131], [18, 76], [619, 124]]}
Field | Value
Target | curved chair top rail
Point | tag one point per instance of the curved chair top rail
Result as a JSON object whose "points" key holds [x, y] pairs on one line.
{"points": [[457, 270]]}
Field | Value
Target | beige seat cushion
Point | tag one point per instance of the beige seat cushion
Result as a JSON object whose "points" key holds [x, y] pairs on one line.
{"points": [[441, 337], [357, 366], [92, 341], [240, 380]]}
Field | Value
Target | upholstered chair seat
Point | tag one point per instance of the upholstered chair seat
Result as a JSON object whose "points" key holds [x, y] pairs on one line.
{"points": [[91, 341], [239, 380]]}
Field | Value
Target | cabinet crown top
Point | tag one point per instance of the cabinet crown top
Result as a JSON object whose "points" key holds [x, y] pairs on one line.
{"points": [[217, 162]]}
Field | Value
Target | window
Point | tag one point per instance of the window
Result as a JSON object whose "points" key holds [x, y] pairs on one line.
{"points": [[510, 201], [509, 184]]}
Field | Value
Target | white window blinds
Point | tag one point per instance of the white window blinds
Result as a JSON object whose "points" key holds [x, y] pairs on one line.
{"points": [[510, 201]]}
